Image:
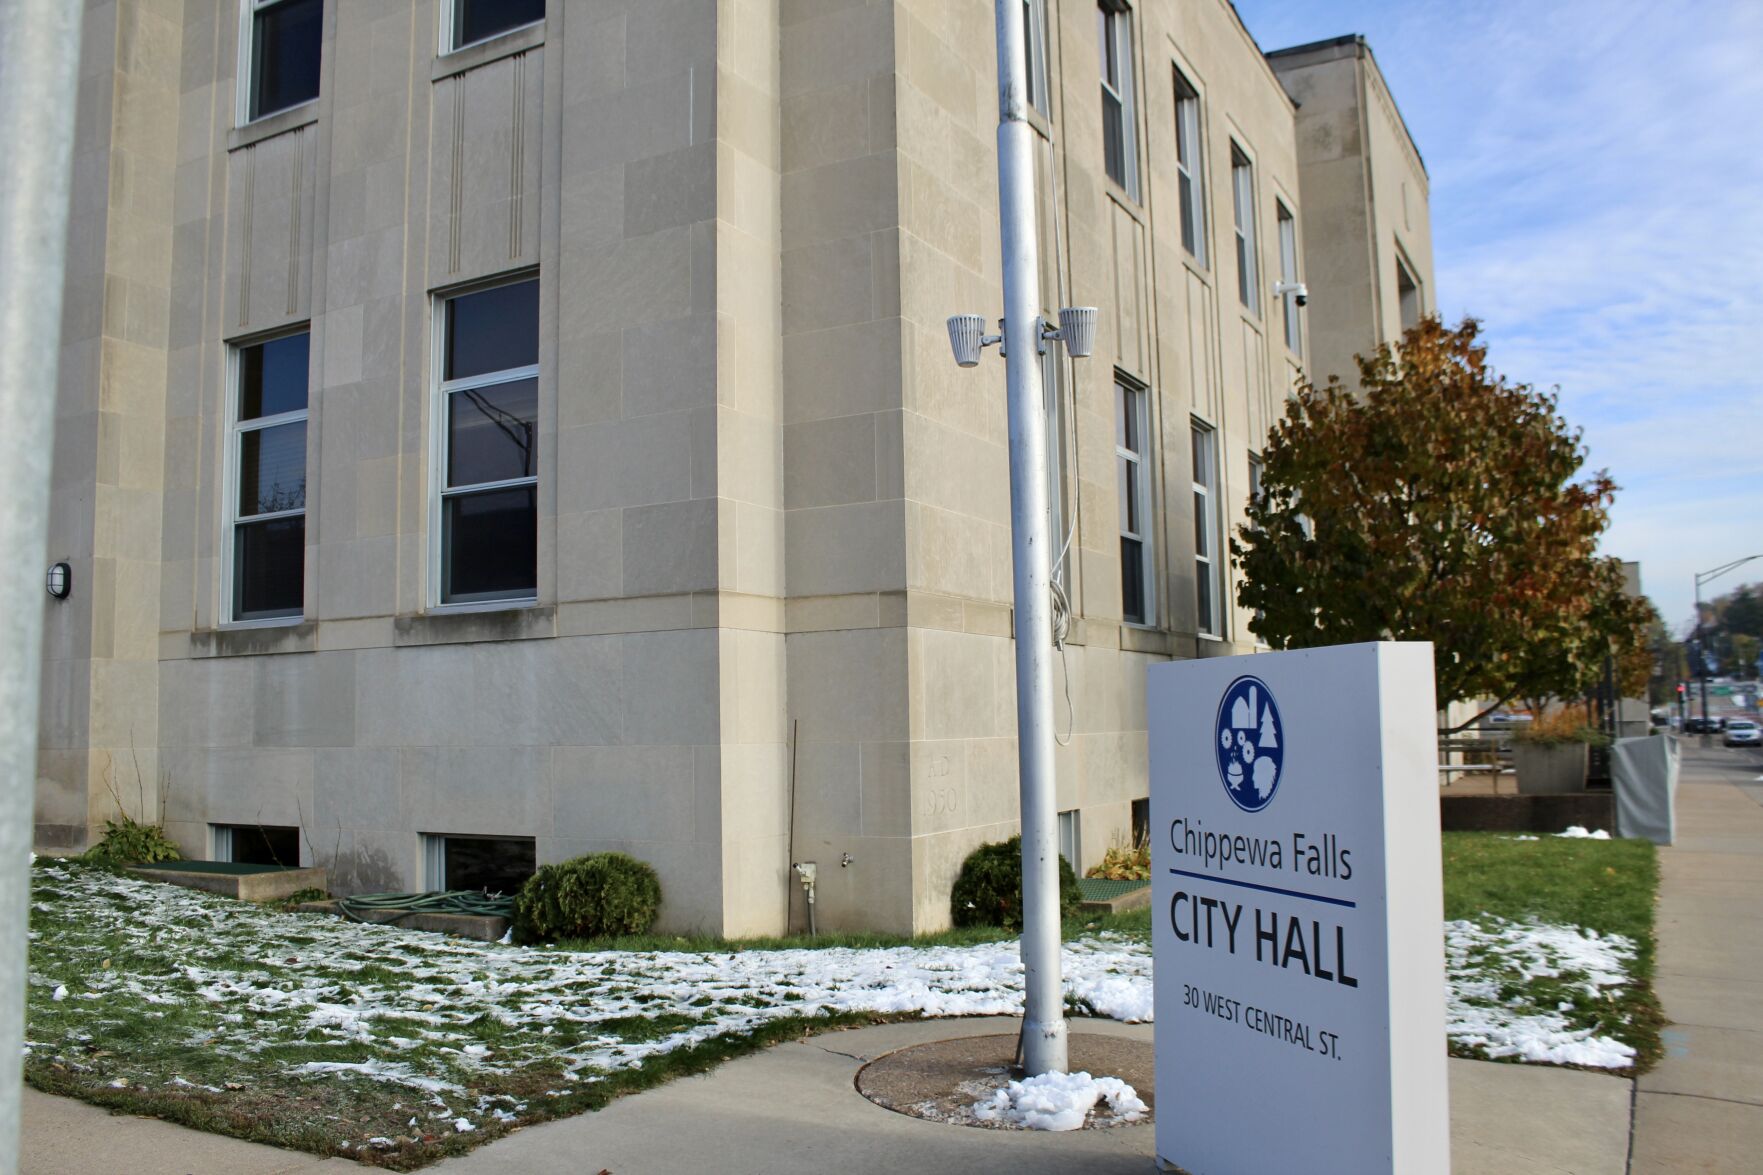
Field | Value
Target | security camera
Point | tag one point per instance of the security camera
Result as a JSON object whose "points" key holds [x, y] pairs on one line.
{"points": [[1298, 290]]}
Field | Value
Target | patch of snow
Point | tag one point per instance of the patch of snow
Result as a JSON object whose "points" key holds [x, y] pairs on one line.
{"points": [[1484, 958], [1578, 832], [379, 1071], [1060, 1101], [462, 1126], [60, 993], [1521, 836]]}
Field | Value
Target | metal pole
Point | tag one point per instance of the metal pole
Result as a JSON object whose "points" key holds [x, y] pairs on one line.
{"points": [[39, 69], [1702, 656], [1043, 1027]]}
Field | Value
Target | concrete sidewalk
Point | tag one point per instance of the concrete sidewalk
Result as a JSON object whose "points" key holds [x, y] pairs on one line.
{"points": [[1702, 1108], [794, 1110]]}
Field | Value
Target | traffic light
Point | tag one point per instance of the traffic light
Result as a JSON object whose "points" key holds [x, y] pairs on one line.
{"points": [[1680, 691]]}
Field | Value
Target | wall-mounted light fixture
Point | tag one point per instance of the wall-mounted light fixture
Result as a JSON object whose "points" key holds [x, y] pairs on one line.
{"points": [[59, 581], [1076, 329]]}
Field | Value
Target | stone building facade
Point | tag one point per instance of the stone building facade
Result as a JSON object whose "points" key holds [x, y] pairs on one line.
{"points": [[494, 432]]}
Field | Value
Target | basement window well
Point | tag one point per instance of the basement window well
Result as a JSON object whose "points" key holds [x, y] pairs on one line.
{"points": [[254, 844], [492, 864]]}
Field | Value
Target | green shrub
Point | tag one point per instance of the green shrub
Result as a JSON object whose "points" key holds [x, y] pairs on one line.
{"points": [[596, 896], [126, 842], [988, 891]]}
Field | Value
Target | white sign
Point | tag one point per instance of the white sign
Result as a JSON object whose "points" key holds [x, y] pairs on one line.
{"points": [[1298, 913]]}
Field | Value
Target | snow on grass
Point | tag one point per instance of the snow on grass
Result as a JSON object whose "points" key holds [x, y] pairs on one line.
{"points": [[1537, 992], [1061, 1101], [322, 997], [1578, 832], [155, 984]]}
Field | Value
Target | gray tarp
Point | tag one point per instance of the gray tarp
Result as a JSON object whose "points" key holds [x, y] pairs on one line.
{"points": [[1644, 773]]}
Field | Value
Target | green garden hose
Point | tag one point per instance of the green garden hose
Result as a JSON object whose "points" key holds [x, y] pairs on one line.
{"points": [[453, 901]]}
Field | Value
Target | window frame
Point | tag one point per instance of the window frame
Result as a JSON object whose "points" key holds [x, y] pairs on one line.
{"points": [[1071, 840], [434, 854], [1114, 31], [441, 392], [1206, 566], [232, 520], [451, 16], [1059, 514], [1190, 165], [1034, 14], [1287, 227], [1133, 474], [246, 72], [1242, 203], [1404, 270]]}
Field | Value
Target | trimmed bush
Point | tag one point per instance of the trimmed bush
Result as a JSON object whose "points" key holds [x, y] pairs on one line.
{"points": [[596, 896], [988, 891]]}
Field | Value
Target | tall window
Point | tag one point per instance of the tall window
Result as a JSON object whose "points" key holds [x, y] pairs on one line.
{"points": [[1288, 273], [1408, 294], [487, 508], [279, 47], [1119, 144], [1130, 431], [1058, 517], [267, 461], [1206, 529], [471, 21], [1034, 45], [1242, 189], [1188, 168]]}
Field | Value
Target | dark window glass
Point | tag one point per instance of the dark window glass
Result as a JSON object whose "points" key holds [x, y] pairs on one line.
{"points": [[1113, 139], [1132, 580], [253, 845], [477, 20], [269, 568], [498, 865], [489, 545], [491, 432], [284, 55], [1141, 821], [272, 469], [273, 377], [1202, 547], [493, 330], [1204, 583]]}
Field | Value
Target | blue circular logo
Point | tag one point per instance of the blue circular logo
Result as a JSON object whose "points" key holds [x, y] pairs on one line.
{"points": [[1249, 740]]}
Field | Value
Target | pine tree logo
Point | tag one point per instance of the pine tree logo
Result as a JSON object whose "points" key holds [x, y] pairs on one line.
{"points": [[1249, 743]]}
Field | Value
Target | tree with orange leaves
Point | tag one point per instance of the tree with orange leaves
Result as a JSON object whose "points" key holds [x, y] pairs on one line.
{"points": [[1438, 502]]}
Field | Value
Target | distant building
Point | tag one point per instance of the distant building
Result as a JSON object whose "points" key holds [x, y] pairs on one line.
{"points": [[489, 434]]}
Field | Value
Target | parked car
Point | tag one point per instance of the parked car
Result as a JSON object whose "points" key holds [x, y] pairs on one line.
{"points": [[1704, 725], [1742, 732]]}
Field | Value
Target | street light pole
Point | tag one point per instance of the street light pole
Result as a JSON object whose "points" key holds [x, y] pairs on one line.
{"points": [[1703, 577], [1043, 1013], [39, 70]]}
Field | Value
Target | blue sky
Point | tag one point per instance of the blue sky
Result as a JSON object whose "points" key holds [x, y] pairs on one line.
{"points": [[1597, 200]]}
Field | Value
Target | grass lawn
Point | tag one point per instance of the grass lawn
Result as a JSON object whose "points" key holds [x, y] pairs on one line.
{"points": [[398, 1047], [1495, 882]]}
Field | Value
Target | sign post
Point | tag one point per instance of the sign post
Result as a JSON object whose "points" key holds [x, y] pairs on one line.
{"points": [[1298, 913]]}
